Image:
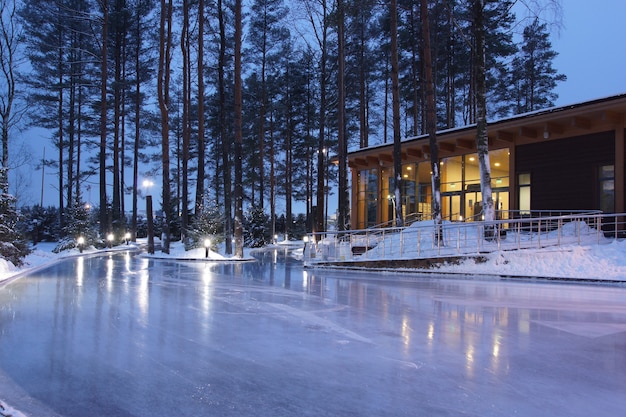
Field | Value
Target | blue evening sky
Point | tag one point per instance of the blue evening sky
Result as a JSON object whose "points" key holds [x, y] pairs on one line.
{"points": [[592, 50]]}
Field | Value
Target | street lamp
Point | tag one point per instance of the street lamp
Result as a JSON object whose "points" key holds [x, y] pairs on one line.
{"points": [[391, 198], [207, 244], [110, 238], [127, 237], [81, 243]]}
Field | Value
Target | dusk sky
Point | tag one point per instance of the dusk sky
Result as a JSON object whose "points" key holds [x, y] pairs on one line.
{"points": [[592, 50]]}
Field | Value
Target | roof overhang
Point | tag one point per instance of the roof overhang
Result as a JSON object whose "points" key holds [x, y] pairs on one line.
{"points": [[555, 123]]}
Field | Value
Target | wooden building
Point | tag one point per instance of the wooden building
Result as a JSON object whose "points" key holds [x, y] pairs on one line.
{"points": [[563, 158]]}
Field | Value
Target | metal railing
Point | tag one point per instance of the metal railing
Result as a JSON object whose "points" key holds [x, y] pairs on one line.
{"points": [[419, 240]]}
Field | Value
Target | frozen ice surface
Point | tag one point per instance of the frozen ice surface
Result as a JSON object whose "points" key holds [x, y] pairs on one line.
{"points": [[129, 336]]}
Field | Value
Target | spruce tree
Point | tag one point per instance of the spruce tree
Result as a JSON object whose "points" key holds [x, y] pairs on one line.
{"points": [[533, 78], [208, 223], [78, 223], [13, 246]]}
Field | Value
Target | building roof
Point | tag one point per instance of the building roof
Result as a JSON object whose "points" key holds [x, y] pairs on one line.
{"points": [[600, 115]]}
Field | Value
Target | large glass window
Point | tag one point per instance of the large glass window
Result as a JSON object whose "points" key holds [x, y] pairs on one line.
{"points": [[460, 189], [523, 187], [451, 174], [367, 199], [606, 188]]}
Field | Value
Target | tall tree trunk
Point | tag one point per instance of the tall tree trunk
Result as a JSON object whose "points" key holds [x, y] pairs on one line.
{"points": [[431, 122], [225, 143], [395, 98], [71, 132], [288, 156], [482, 143], [117, 116], [137, 121], [200, 181], [165, 42], [321, 147], [363, 99], [342, 141], [262, 110], [78, 145], [272, 174], [238, 226], [415, 77], [8, 49], [186, 53], [104, 218]]}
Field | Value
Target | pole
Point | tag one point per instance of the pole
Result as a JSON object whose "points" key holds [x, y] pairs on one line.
{"points": [[150, 224], [43, 172]]}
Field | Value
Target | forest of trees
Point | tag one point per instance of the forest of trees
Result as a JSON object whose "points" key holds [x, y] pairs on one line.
{"points": [[248, 104]]}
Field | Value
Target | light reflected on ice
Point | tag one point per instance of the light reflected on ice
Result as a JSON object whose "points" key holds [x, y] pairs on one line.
{"points": [[495, 352], [80, 271], [143, 289], [207, 289], [523, 325], [469, 361], [431, 333], [406, 332], [109, 274]]}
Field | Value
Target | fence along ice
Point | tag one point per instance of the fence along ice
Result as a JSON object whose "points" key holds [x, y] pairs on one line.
{"points": [[463, 238]]}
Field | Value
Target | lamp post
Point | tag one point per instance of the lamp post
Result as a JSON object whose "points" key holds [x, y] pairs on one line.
{"points": [[127, 237], [391, 198], [325, 151], [81, 243], [110, 238], [147, 184], [207, 245]]}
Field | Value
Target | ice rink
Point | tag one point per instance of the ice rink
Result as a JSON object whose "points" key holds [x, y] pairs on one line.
{"points": [[122, 335]]}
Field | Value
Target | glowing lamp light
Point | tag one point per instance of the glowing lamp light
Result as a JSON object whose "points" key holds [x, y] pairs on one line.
{"points": [[207, 244]]}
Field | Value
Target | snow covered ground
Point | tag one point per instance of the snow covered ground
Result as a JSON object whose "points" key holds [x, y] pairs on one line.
{"points": [[43, 255], [605, 260], [574, 250]]}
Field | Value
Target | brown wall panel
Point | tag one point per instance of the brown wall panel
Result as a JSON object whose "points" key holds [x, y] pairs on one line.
{"points": [[563, 172]]}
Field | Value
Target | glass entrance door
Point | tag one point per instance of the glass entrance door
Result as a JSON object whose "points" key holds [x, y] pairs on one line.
{"points": [[451, 206]]}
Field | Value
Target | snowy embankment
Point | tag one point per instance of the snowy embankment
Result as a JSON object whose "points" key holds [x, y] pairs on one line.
{"points": [[573, 250], [595, 262], [596, 259], [43, 255]]}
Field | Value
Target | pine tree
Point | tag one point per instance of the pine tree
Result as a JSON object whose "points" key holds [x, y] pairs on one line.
{"points": [[533, 78], [256, 227], [13, 246], [39, 224], [78, 223], [208, 223]]}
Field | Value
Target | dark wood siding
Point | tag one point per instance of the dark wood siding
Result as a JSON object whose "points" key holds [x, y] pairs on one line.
{"points": [[563, 172]]}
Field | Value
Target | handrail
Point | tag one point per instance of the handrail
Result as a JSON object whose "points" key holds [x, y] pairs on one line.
{"points": [[459, 238]]}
